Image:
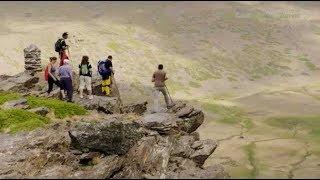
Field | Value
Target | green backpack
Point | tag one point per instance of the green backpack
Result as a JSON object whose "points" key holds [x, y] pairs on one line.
{"points": [[84, 69]]}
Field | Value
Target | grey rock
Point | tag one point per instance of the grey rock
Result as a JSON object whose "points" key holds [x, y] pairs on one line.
{"points": [[137, 108], [163, 123], [108, 105], [184, 111], [182, 148], [211, 172], [19, 83], [204, 149], [19, 104], [178, 106], [149, 156], [110, 137], [192, 122], [168, 123], [43, 111]]}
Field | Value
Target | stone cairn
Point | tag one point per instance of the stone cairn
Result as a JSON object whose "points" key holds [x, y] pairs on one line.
{"points": [[32, 58]]}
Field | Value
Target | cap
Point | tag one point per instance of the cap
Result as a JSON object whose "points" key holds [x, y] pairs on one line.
{"points": [[66, 61], [65, 33]]}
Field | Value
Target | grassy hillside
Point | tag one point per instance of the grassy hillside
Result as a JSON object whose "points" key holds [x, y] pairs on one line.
{"points": [[250, 65]]}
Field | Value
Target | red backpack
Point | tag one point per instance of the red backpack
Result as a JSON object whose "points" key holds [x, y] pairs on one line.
{"points": [[46, 73]]}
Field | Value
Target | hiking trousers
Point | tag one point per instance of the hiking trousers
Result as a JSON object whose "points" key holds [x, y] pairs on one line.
{"points": [[106, 82], [51, 81], [66, 84], [164, 92]]}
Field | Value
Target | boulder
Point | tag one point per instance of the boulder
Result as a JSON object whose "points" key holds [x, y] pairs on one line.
{"points": [[108, 105], [203, 149], [192, 121], [178, 106], [184, 112], [149, 156], [110, 137], [19, 83], [20, 104], [163, 123], [168, 123], [152, 158], [189, 172], [136, 108], [43, 111], [182, 147]]}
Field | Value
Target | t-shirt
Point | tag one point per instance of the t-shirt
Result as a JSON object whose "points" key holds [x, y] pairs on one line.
{"points": [[63, 44], [85, 69], [159, 78], [65, 71], [108, 64]]}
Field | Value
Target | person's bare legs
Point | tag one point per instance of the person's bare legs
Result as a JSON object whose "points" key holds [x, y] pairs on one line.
{"points": [[90, 94], [81, 93]]}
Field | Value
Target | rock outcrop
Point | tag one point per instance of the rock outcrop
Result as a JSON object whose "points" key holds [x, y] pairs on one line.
{"points": [[155, 146], [110, 137], [108, 105], [119, 145], [21, 82]]}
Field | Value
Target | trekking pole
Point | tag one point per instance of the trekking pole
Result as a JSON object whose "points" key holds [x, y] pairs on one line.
{"points": [[169, 95]]}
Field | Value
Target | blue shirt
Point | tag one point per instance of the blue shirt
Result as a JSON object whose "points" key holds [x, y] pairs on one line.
{"points": [[65, 71]]}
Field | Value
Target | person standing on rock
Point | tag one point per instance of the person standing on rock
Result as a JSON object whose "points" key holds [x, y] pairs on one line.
{"points": [[159, 77], [50, 75], [105, 70], [65, 73], [61, 47], [85, 73]]}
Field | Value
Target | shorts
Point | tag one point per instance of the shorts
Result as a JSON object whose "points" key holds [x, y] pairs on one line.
{"points": [[85, 82]]}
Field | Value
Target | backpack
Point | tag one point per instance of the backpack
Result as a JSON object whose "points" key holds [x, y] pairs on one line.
{"points": [[102, 68], [84, 69], [46, 73], [58, 45]]}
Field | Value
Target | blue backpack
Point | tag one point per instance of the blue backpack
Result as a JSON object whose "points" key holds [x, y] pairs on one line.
{"points": [[102, 68]]}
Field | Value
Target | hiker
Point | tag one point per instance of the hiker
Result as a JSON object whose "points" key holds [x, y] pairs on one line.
{"points": [[85, 73], [61, 47], [105, 70], [50, 75], [65, 73], [159, 77]]}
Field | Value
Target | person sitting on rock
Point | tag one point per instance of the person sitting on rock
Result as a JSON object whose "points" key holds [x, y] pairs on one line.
{"points": [[65, 73], [85, 73], [159, 77], [50, 75], [105, 70], [61, 47]]}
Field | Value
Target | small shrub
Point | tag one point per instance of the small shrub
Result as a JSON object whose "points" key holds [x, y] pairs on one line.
{"points": [[8, 96], [15, 120]]}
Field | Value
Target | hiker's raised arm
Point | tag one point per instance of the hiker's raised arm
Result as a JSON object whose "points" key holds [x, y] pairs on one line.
{"points": [[165, 76]]}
